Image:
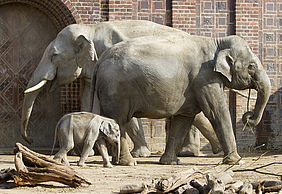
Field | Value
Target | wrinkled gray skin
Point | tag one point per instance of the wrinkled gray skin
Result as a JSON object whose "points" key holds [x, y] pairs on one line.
{"points": [[87, 128], [74, 53], [177, 76], [191, 144]]}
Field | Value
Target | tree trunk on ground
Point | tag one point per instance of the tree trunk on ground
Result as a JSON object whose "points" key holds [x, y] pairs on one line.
{"points": [[33, 168]]}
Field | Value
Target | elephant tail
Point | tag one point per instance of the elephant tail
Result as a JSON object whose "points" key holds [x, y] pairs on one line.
{"points": [[55, 135]]}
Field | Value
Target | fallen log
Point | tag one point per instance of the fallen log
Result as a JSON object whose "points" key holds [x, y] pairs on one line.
{"points": [[267, 186], [191, 191], [33, 168], [215, 185], [186, 189], [275, 188], [235, 186], [225, 178], [178, 183], [129, 189], [247, 188], [194, 181], [166, 185], [266, 183], [199, 186]]}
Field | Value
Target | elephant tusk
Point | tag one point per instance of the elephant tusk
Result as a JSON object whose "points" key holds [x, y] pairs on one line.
{"points": [[36, 87]]}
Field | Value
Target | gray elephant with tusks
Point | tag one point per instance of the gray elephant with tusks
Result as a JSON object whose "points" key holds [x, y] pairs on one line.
{"points": [[87, 128], [74, 53], [177, 76]]}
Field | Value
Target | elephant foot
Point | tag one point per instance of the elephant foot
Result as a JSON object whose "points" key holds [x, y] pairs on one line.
{"points": [[189, 152], [233, 159], [62, 160], [81, 164], [91, 152], [169, 160], [59, 160], [108, 165], [139, 152], [127, 160], [216, 149], [114, 160]]}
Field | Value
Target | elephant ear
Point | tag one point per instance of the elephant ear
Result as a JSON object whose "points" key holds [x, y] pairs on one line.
{"points": [[84, 48], [223, 63], [109, 130]]}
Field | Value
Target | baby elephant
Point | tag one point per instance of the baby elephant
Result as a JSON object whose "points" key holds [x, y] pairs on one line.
{"points": [[87, 128]]}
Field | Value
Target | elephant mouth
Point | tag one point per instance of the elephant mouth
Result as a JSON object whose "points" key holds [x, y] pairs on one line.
{"points": [[53, 84], [243, 83]]}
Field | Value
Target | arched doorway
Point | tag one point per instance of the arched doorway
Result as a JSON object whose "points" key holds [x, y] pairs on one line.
{"points": [[25, 32]]}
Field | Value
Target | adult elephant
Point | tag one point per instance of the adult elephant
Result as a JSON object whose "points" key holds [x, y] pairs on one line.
{"points": [[177, 76], [74, 53]]}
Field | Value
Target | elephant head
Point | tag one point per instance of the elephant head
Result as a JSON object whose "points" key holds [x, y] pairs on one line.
{"points": [[110, 129], [242, 69], [62, 62]]}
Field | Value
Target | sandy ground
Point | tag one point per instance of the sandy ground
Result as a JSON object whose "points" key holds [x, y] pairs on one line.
{"points": [[110, 180]]}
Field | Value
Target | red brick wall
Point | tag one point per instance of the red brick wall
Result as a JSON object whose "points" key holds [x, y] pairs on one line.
{"points": [[205, 18], [88, 11], [138, 10]]}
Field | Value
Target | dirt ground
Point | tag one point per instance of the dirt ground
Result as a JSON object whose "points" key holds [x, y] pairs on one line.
{"points": [[110, 180]]}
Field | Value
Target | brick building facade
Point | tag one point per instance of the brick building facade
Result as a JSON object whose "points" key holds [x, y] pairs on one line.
{"points": [[257, 21]]}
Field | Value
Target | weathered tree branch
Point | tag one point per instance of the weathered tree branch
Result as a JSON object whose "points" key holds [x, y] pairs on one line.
{"points": [[34, 168], [259, 167]]}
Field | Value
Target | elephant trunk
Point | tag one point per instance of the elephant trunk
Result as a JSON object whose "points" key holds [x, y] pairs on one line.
{"points": [[263, 89], [115, 152], [28, 102], [29, 99], [118, 152]]}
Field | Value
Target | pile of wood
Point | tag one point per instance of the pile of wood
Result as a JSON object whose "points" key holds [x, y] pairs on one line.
{"points": [[33, 168], [195, 182]]}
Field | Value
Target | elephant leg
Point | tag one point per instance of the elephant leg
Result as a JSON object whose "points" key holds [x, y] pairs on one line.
{"points": [[179, 127], [191, 145], [125, 157], [205, 127], [78, 150], [88, 145], [217, 112], [136, 134], [66, 144], [117, 113], [102, 147]]}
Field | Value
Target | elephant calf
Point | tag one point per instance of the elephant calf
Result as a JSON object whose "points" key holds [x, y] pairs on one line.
{"points": [[87, 128]]}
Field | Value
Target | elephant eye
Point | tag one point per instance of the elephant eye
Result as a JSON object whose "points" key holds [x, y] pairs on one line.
{"points": [[252, 66], [252, 69], [53, 56]]}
